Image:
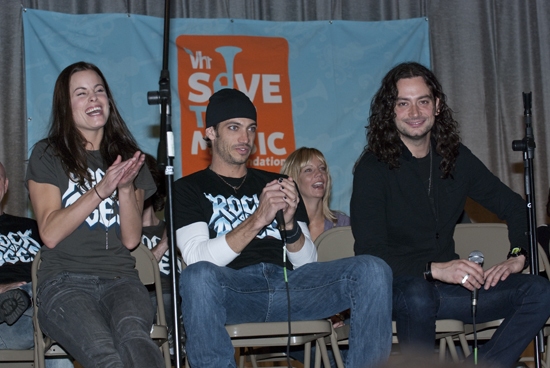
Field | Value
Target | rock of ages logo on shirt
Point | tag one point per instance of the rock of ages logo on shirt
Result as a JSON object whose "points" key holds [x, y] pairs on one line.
{"points": [[104, 214], [228, 213], [18, 246], [164, 263]]}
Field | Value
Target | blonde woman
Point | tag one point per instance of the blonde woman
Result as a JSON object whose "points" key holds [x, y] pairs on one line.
{"points": [[309, 169]]}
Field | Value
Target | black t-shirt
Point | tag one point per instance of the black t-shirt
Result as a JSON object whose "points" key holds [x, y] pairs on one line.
{"points": [[19, 243], [151, 236], [205, 197]]}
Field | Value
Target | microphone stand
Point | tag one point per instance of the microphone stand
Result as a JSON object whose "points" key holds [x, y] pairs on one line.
{"points": [[527, 145], [165, 159]]}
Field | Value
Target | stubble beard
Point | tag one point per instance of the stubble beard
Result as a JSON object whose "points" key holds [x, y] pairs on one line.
{"points": [[224, 152]]}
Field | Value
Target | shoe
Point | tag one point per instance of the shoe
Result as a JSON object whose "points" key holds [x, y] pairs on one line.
{"points": [[13, 303]]}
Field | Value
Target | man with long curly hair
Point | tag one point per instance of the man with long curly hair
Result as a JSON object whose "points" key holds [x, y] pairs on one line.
{"points": [[409, 189]]}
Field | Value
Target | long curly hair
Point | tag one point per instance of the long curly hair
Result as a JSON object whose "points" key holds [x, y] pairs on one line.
{"points": [[382, 136], [67, 141], [294, 164]]}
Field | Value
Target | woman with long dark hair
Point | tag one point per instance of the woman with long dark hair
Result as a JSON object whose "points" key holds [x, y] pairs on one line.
{"points": [[87, 184]]}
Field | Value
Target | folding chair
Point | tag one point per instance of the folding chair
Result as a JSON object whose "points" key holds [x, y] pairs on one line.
{"points": [[148, 270], [338, 242], [492, 240], [271, 334]]}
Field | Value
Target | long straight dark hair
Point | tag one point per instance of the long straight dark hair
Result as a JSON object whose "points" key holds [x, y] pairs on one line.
{"points": [[67, 141]]}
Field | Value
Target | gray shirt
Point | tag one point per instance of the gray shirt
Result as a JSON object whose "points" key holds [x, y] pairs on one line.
{"points": [[94, 247]]}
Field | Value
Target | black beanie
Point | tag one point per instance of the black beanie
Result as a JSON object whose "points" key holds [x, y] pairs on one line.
{"points": [[227, 104]]}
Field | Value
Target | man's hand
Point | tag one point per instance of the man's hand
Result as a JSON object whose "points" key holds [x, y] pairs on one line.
{"points": [[455, 271], [501, 271], [11, 285], [278, 195]]}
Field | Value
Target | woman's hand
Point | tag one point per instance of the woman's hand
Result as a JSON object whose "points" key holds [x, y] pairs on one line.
{"points": [[132, 170], [120, 174]]}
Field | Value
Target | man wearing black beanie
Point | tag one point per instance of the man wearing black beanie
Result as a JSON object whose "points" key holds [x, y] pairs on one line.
{"points": [[226, 230]]}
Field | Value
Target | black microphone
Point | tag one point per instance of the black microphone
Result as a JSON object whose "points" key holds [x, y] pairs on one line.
{"points": [[477, 257], [281, 224]]}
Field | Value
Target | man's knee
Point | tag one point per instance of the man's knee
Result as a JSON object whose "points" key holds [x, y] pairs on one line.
{"points": [[414, 296], [373, 268], [539, 287], [197, 278]]}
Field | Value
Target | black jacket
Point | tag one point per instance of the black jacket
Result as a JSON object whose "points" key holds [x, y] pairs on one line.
{"points": [[391, 215]]}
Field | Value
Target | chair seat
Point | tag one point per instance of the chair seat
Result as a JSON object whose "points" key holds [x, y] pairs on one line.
{"points": [[276, 333], [17, 358]]}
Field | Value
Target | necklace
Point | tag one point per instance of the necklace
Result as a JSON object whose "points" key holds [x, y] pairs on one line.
{"points": [[430, 178], [234, 187], [105, 224]]}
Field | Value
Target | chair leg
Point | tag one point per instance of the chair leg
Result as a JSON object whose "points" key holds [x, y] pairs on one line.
{"points": [[253, 360], [547, 352], [452, 349], [464, 344], [317, 356], [322, 347], [165, 348], [307, 354], [336, 350], [442, 348]]}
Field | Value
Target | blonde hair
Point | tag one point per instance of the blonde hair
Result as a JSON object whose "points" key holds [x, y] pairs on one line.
{"points": [[294, 164]]}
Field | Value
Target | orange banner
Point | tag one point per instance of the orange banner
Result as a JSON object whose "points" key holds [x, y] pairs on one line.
{"points": [[257, 66]]}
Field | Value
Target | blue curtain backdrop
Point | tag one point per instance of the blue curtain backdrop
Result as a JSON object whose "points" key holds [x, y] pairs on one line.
{"points": [[334, 69]]}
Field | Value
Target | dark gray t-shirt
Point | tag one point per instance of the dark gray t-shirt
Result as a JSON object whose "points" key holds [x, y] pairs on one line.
{"points": [[94, 248]]}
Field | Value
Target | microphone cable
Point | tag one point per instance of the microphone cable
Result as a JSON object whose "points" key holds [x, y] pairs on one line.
{"points": [[477, 257], [279, 217], [475, 338]]}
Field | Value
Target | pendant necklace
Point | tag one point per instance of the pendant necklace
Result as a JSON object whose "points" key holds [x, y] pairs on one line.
{"points": [[105, 224], [430, 178], [234, 187]]}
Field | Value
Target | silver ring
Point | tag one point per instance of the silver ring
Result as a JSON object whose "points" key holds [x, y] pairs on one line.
{"points": [[464, 279]]}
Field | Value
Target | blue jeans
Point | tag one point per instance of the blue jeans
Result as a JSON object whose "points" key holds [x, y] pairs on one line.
{"points": [[522, 300], [20, 335], [214, 296], [100, 322]]}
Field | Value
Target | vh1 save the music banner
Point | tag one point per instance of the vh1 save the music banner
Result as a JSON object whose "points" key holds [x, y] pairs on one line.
{"points": [[332, 69], [258, 67]]}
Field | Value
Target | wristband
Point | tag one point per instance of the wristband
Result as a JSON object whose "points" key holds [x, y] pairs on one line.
{"points": [[516, 252], [428, 272], [293, 238], [96, 192]]}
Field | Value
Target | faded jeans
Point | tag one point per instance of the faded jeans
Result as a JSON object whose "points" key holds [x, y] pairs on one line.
{"points": [[214, 296], [100, 322], [522, 300]]}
